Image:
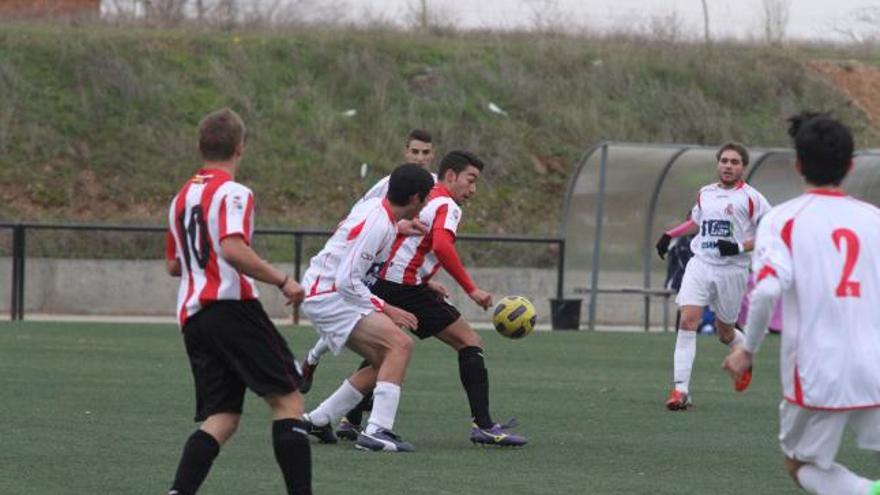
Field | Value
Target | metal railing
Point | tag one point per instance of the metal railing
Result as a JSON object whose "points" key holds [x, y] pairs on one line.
{"points": [[20, 232]]}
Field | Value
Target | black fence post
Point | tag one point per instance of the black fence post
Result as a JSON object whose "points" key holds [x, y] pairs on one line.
{"points": [[18, 255], [560, 269]]}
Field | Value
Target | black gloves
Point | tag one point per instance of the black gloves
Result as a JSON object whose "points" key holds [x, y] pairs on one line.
{"points": [[728, 248], [663, 245]]}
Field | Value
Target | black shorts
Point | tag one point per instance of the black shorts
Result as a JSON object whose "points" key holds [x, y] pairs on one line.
{"points": [[233, 345], [432, 310]]}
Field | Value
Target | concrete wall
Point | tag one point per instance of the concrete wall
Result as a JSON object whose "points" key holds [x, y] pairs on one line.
{"points": [[132, 287]]}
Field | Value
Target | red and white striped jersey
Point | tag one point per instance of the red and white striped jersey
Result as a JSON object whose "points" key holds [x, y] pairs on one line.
{"points": [[823, 248], [729, 214], [412, 260], [209, 207], [360, 244]]}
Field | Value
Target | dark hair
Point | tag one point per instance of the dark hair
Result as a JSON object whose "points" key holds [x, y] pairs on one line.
{"points": [[406, 180], [418, 135], [824, 147], [733, 145], [457, 161], [220, 132]]}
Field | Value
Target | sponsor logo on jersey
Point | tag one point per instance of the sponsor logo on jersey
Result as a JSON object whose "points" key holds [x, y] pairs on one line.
{"points": [[716, 228]]}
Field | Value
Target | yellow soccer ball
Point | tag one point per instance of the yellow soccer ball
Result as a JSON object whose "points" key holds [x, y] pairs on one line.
{"points": [[514, 317]]}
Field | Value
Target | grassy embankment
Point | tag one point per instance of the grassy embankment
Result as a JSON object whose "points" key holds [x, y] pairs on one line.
{"points": [[97, 122]]}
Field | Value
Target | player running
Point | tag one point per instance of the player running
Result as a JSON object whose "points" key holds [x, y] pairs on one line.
{"points": [[346, 314], [819, 252], [230, 341], [724, 221]]}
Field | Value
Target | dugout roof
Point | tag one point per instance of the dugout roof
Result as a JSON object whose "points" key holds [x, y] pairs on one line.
{"points": [[621, 198]]}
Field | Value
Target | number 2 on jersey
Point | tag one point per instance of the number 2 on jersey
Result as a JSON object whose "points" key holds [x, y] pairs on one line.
{"points": [[847, 287]]}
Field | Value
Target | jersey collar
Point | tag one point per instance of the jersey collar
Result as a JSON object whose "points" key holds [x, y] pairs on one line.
{"points": [[837, 192], [387, 206], [208, 173], [739, 185], [441, 190]]}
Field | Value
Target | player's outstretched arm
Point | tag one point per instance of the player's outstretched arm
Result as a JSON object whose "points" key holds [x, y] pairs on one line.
{"points": [[686, 228], [238, 254], [444, 248]]}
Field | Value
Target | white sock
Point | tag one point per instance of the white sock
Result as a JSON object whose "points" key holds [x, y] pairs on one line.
{"points": [[683, 360], [386, 397], [340, 402], [738, 339], [833, 481], [320, 348]]}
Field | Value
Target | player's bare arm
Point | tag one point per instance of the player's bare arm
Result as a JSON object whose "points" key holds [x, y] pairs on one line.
{"points": [[438, 288], [400, 317], [236, 251]]}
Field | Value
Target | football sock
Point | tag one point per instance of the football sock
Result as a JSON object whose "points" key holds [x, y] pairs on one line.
{"points": [[738, 338], [319, 349], [834, 480], [475, 380], [356, 415], [293, 454], [683, 360], [386, 398], [198, 454], [344, 398]]}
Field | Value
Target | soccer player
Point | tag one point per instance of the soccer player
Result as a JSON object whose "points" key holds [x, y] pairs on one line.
{"points": [[231, 343], [346, 314], [419, 150], [724, 221], [818, 251], [405, 280]]}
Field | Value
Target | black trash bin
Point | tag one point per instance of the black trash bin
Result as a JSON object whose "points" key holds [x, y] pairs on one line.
{"points": [[565, 314]]}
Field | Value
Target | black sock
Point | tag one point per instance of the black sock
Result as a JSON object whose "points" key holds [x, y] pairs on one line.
{"points": [[356, 415], [198, 455], [475, 380], [293, 454]]}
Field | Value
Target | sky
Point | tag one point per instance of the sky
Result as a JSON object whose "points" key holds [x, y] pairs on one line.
{"points": [[808, 19]]}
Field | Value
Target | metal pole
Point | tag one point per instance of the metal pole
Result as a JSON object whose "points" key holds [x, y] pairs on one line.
{"points": [[18, 249], [13, 304], [560, 270], [649, 224], [297, 258], [597, 241]]}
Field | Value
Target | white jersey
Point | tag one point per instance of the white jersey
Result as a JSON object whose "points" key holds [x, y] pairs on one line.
{"points": [[822, 246], [729, 214], [380, 189], [209, 207], [361, 241], [412, 260]]}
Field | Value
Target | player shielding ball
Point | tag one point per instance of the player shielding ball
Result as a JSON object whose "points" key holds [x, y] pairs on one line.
{"points": [[819, 252], [724, 221], [230, 341], [346, 314], [418, 150]]}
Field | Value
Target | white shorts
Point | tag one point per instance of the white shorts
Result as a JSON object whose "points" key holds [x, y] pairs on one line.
{"points": [[720, 287], [333, 318], [814, 436]]}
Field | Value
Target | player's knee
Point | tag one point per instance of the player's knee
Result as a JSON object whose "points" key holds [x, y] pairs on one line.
{"points": [[402, 343], [471, 356], [222, 426], [690, 321]]}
